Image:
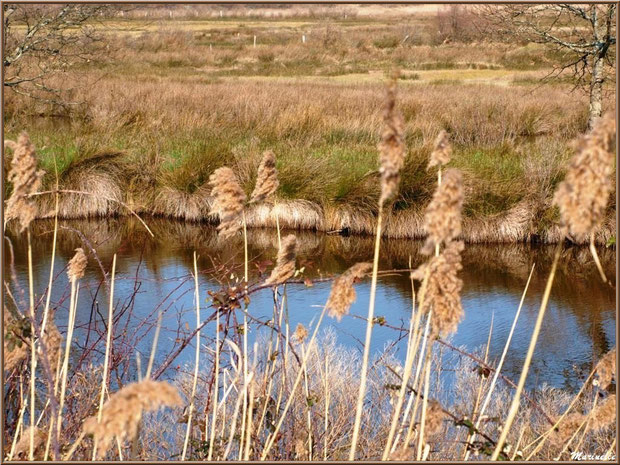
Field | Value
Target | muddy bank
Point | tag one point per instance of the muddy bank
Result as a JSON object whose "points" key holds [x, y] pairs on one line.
{"points": [[519, 224]]}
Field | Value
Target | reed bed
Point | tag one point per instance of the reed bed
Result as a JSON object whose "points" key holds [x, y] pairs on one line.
{"points": [[300, 396]]}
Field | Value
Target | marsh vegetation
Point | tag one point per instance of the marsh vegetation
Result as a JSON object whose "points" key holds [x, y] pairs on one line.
{"points": [[144, 338]]}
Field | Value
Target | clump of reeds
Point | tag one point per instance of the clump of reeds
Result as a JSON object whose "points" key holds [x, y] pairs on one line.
{"points": [[228, 201], [267, 178], [583, 195], [285, 264], [442, 151], [442, 220], [443, 288], [26, 180], [391, 147], [122, 413], [342, 294], [77, 265]]}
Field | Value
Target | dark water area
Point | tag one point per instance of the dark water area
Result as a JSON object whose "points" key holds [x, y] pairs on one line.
{"points": [[155, 274]]}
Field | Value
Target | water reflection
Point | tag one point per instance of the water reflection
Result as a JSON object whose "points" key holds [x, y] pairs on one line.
{"points": [[154, 274]]}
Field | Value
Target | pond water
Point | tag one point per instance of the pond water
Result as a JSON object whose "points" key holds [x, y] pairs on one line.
{"points": [[154, 274]]}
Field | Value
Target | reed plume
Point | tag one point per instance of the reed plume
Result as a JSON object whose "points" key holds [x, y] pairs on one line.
{"points": [[391, 147], [442, 153], [442, 220], [301, 333], [53, 341], [435, 417], [26, 180], [228, 201], [267, 179], [285, 263], [122, 413], [342, 294], [583, 195], [77, 265], [443, 289]]}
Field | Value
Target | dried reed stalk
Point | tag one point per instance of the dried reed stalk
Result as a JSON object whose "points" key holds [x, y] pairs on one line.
{"points": [[514, 406], [217, 386], [194, 384], [403, 388], [391, 159], [500, 365], [108, 345]]}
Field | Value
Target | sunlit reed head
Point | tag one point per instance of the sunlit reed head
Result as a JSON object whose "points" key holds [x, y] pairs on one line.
{"points": [[391, 147], [582, 196], [77, 265], [443, 289], [442, 220], [53, 340], [228, 201], [267, 179], [442, 152], [26, 179], [301, 333], [343, 294], [435, 417]]}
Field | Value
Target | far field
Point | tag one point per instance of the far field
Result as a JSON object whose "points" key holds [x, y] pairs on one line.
{"points": [[176, 97]]}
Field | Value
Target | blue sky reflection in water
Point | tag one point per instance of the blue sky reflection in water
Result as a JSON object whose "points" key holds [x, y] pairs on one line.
{"points": [[155, 274]]}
